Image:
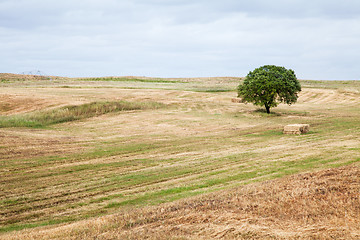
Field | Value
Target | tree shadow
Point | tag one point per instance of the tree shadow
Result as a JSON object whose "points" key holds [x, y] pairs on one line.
{"points": [[263, 112]]}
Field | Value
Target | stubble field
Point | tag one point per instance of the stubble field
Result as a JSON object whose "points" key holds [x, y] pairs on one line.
{"points": [[141, 149]]}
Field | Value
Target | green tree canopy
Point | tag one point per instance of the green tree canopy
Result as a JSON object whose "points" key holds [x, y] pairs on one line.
{"points": [[270, 85]]}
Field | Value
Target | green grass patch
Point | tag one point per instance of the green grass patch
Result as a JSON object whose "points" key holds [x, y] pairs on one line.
{"points": [[12, 201], [214, 90], [270, 133], [107, 198], [348, 123], [4, 80], [352, 149], [17, 227], [329, 84], [72, 113], [122, 149], [218, 180], [124, 79]]}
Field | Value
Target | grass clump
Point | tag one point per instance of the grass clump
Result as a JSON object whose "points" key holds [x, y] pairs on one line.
{"points": [[72, 113], [4, 80]]}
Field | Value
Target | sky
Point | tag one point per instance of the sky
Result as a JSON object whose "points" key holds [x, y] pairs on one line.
{"points": [[318, 39]]}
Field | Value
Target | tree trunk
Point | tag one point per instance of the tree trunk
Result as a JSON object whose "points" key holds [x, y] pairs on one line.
{"points": [[267, 109]]}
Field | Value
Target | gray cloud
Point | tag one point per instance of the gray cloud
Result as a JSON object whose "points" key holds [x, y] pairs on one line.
{"points": [[318, 39]]}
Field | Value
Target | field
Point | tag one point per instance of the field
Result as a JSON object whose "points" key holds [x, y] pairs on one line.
{"points": [[136, 157]]}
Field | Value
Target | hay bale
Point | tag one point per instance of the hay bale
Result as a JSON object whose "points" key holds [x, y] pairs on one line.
{"points": [[296, 129], [236, 100]]}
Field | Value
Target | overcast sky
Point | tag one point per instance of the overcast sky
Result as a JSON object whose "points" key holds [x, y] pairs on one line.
{"points": [[318, 39]]}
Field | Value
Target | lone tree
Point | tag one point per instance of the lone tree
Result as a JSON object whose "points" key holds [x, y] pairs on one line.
{"points": [[270, 85]]}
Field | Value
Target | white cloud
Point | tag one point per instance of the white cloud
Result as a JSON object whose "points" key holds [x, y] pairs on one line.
{"points": [[318, 39]]}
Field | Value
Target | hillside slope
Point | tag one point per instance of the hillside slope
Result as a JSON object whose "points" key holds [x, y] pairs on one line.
{"points": [[67, 156], [320, 205]]}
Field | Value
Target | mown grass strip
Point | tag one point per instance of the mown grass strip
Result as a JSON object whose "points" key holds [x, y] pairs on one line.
{"points": [[215, 181], [124, 79], [214, 90], [17, 227], [72, 113], [249, 175]]}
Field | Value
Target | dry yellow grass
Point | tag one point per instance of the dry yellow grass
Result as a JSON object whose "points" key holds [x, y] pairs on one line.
{"points": [[319, 205], [201, 142]]}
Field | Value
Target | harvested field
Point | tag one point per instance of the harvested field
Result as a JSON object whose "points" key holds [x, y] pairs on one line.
{"points": [[197, 142], [319, 205]]}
